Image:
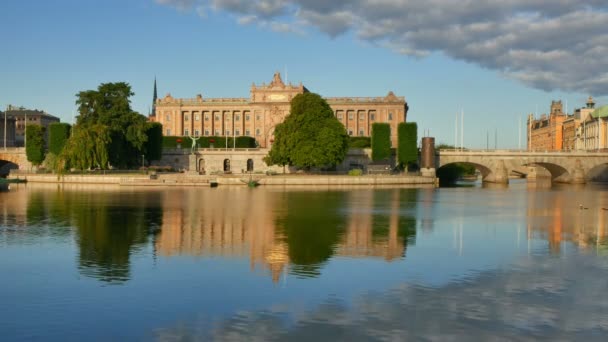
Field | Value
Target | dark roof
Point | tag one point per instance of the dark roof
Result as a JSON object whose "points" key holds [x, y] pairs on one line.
{"points": [[28, 112]]}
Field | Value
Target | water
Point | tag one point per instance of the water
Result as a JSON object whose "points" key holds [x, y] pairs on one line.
{"points": [[232, 263]]}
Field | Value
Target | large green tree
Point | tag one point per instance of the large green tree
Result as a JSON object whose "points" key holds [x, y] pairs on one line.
{"points": [[34, 144], [310, 136], [109, 107]]}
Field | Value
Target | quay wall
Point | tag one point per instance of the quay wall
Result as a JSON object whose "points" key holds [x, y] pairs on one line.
{"points": [[183, 179]]}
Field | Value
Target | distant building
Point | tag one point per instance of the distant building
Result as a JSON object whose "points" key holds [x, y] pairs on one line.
{"points": [[7, 130], [267, 106], [25, 117], [592, 133], [546, 132], [571, 126]]}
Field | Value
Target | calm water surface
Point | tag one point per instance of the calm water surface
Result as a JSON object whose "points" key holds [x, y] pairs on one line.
{"points": [[233, 263]]}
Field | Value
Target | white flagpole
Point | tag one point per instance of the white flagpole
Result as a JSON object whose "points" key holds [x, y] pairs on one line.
{"points": [[456, 133], [462, 129], [519, 139]]}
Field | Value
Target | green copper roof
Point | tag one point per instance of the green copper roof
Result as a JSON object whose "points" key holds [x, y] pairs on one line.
{"points": [[601, 112]]}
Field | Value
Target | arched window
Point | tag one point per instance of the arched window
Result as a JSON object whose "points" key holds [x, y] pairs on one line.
{"points": [[226, 165]]}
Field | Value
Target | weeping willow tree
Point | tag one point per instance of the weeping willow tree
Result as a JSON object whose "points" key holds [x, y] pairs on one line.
{"points": [[87, 148]]}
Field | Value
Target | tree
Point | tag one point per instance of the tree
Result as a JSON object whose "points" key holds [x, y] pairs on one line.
{"points": [[310, 136], [154, 144], [381, 141], [87, 148], [110, 107], [407, 144], [34, 144]]}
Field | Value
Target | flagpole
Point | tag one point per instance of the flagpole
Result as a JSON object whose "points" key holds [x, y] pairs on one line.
{"points": [[462, 129]]}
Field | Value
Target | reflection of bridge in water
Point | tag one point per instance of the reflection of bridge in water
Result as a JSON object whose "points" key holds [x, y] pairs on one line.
{"points": [[575, 167]]}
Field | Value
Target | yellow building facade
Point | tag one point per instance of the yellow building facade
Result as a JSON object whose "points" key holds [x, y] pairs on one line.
{"points": [[267, 106]]}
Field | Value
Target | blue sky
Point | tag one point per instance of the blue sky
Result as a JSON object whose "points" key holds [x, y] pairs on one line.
{"points": [[496, 61]]}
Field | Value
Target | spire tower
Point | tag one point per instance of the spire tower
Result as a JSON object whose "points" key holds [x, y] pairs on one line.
{"points": [[154, 97]]}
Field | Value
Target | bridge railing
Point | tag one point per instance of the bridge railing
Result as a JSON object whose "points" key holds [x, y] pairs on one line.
{"points": [[568, 152]]}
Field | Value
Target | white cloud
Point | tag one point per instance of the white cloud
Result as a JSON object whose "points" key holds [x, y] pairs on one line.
{"points": [[546, 44]]}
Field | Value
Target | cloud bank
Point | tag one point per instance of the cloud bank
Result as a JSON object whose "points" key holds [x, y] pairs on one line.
{"points": [[545, 44]]}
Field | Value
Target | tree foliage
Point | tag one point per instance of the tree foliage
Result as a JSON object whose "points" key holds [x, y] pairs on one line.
{"points": [[154, 145], [87, 148], [105, 115], [34, 145], [407, 143], [381, 141], [359, 142], [59, 132], [310, 136]]}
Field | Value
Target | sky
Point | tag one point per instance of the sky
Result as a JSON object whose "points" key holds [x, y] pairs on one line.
{"points": [[492, 62]]}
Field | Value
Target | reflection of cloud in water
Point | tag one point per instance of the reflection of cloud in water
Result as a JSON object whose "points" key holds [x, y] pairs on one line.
{"points": [[540, 298]]}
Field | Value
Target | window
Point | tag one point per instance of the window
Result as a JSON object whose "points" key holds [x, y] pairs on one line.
{"points": [[206, 117], [206, 132], [362, 133], [361, 116], [168, 131], [237, 117], [237, 132], [372, 117], [217, 132], [217, 118], [247, 117], [168, 117], [248, 133], [390, 115], [186, 116], [340, 116], [350, 132], [197, 117], [186, 132], [197, 133], [350, 116], [227, 132], [257, 132], [257, 117]]}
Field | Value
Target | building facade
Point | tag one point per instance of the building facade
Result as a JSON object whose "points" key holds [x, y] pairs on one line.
{"points": [[7, 130], [592, 133], [24, 117], [546, 132], [267, 106]]}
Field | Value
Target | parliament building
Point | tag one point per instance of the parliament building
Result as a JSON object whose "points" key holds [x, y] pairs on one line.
{"points": [[267, 106]]}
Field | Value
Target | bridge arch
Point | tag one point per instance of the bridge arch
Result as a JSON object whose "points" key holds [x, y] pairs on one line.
{"points": [[483, 169], [6, 166], [558, 172]]}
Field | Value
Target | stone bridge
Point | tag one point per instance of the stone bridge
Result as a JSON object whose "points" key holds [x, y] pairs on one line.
{"points": [[495, 165], [13, 158]]}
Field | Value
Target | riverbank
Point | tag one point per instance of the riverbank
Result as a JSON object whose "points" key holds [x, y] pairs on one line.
{"points": [[182, 179]]}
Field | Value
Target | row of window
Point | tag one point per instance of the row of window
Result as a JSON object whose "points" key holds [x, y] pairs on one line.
{"points": [[217, 132], [362, 116], [237, 117], [197, 117]]}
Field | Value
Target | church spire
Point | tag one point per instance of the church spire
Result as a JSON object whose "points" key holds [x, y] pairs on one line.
{"points": [[154, 97]]}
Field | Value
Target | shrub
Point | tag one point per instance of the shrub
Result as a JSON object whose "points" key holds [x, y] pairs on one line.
{"points": [[381, 141], [359, 142], [355, 172], [407, 143], [59, 133]]}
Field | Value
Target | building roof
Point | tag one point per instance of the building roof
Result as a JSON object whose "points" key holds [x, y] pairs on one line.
{"points": [[20, 111], [601, 112]]}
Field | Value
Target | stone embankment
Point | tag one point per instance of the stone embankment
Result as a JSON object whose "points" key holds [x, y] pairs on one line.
{"points": [[206, 180]]}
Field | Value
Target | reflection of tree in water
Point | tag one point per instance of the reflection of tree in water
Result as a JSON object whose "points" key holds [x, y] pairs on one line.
{"points": [[110, 229], [312, 226], [109, 226]]}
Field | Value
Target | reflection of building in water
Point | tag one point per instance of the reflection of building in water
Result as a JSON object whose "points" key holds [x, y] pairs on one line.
{"points": [[237, 222], [556, 217], [233, 222], [367, 237]]}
